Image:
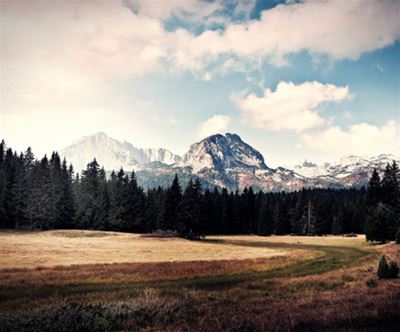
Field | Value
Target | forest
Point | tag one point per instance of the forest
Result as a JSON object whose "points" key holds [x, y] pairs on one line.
{"points": [[47, 194]]}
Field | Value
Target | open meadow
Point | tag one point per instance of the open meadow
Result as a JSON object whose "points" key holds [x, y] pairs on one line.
{"points": [[104, 281]]}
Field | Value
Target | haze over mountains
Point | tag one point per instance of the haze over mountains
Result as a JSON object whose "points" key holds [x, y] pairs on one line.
{"points": [[113, 154], [219, 160]]}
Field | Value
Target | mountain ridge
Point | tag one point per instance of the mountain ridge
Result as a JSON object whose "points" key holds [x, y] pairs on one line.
{"points": [[113, 154], [220, 160]]}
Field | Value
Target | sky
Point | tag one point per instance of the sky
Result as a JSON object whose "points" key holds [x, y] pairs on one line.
{"points": [[315, 80]]}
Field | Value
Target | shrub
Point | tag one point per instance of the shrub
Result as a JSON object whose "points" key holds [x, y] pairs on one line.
{"points": [[371, 283], [387, 271], [393, 270], [383, 268]]}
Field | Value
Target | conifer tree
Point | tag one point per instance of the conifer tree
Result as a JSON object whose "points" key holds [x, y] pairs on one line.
{"points": [[374, 193], [169, 212], [88, 209], [104, 201], [10, 189], [191, 211], [2, 185], [391, 185], [309, 217], [120, 217], [151, 208], [41, 208], [265, 224], [381, 224], [67, 206]]}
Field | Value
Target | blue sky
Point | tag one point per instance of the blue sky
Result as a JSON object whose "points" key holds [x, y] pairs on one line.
{"points": [[316, 80]]}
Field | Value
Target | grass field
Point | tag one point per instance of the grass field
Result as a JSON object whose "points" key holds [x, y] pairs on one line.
{"points": [[66, 280], [52, 248]]}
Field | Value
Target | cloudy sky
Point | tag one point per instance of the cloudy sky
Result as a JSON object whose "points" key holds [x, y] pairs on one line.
{"points": [[295, 79]]}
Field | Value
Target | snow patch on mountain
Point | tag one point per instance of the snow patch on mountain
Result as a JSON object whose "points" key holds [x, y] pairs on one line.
{"points": [[223, 161], [113, 154], [348, 170]]}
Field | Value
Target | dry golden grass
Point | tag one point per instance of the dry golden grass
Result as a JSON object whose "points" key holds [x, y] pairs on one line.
{"points": [[76, 247], [329, 240], [225, 283]]}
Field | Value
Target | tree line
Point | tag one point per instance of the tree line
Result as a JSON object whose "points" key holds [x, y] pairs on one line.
{"points": [[46, 194]]}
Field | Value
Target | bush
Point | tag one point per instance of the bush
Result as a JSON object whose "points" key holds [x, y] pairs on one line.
{"points": [[371, 283], [387, 271], [393, 270]]}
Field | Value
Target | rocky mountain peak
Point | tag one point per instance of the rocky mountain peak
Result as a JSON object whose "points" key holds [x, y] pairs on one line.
{"points": [[221, 152]]}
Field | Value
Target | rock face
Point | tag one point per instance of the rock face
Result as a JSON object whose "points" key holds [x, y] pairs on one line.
{"points": [[227, 161], [221, 152], [223, 161], [113, 154]]}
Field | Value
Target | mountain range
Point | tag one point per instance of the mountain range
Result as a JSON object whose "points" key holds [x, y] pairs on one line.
{"points": [[113, 154], [220, 160]]}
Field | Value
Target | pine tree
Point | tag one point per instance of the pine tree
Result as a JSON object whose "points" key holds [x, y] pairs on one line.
{"points": [[56, 177], [10, 189], [296, 214], [89, 209], [67, 205], [381, 224], [391, 185], [226, 212], [152, 207], [104, 202], [135, 200], [169, 212], [24, 180], [41, 207], [2, 185], [265, 225], [120, 217], [374, 193], [391, 190], [191, 215], [309, 216]]}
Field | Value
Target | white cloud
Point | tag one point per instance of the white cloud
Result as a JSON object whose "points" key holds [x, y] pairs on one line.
{"points": [[193, 10], [207, 76], [58, 48], [358, 139], [338, 29], [216, 124], [64, 57], [290, 107]]}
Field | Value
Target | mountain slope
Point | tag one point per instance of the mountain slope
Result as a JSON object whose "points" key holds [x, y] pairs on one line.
{"points": [[220, 160], [348, 171], [221, 152], [113, 154], [227, 161]]}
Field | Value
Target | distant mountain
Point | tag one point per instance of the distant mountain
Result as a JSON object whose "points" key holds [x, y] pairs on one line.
{"points": [[223, 161], [222, 152], [348, 171], [227, 161], [113, 154]]}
